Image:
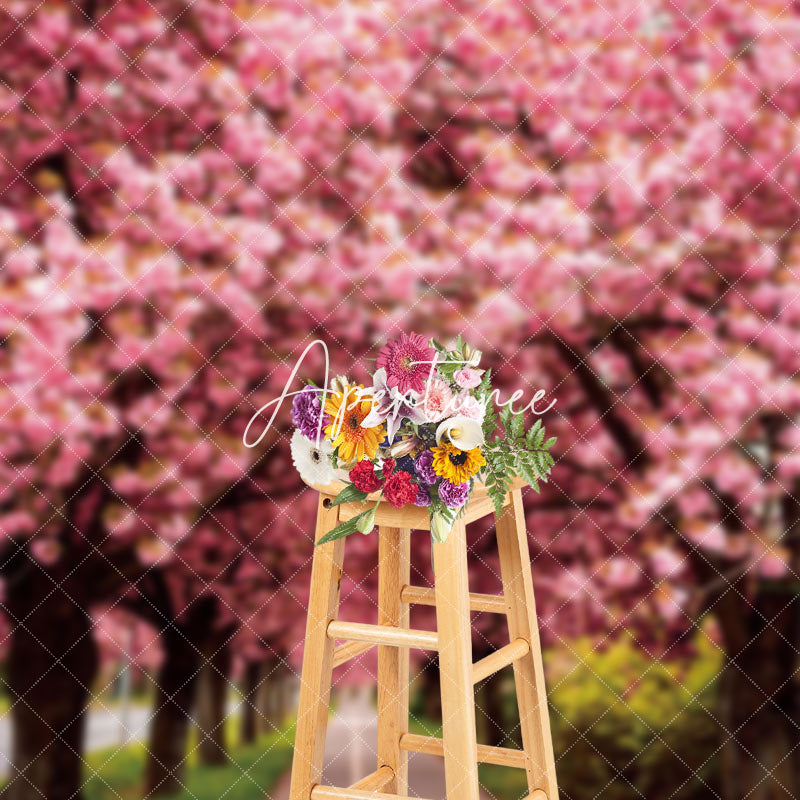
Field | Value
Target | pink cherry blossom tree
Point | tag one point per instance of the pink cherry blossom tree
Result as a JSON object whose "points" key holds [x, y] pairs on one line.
{"points": [[601, 197]]}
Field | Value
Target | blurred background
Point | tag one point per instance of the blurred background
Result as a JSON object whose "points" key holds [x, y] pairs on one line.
{"points": [[603, 197]]}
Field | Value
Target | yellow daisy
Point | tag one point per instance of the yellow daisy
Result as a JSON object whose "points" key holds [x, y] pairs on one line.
{"points": [[457, 466], [346, 410]]}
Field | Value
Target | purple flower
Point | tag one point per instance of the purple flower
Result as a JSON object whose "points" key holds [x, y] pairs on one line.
{"points": [[307, 411], [423, 466], [454, 495], [423, 498]]}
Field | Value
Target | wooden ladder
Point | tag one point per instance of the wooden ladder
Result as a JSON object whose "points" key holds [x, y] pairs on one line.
{"points": [[393, 638]]}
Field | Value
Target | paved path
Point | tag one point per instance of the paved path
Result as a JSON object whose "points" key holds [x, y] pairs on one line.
{"points": [[106, 728], [350, 754]]}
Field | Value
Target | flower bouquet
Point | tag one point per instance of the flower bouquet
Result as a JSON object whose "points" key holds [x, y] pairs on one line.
{"points": [[425, 431]]}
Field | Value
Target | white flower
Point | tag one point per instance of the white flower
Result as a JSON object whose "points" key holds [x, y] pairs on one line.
{"points": [[473, 357], [313, 463], [462, 432]]}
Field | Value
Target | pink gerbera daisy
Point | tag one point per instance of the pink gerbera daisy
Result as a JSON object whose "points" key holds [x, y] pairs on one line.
{"points": [[404, 360]]}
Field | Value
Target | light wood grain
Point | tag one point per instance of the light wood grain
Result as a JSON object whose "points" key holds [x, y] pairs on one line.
{"points": [[332, 793], [383, 635], [348, 651], [375, 781], [385, 516], [500, 658], [487, 754], [422, 596], [394, 572], [455, 665], [315, 681], [512, 543], [392, 635], [413, 517]]}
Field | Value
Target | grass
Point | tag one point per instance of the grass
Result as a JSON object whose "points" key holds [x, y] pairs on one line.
{"points": [[251, 773]]}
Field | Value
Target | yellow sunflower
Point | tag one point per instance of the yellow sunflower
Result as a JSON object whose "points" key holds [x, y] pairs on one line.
{"points": [[346, 410], [457, 466]]}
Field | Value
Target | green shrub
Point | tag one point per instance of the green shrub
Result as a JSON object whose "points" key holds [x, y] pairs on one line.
{"points": [[626, 726], [251, 773]]}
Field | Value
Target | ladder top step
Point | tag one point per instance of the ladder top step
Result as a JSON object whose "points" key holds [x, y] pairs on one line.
{"points": [[383, 635]]}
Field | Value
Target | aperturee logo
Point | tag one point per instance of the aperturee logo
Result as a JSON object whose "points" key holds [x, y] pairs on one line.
{"points": [[423, 433]]}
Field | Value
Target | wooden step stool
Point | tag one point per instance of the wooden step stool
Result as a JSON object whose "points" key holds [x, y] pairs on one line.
{"points": [[393, 637]]}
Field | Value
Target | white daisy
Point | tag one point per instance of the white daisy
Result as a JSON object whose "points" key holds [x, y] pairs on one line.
{"points": [[312, 462]]}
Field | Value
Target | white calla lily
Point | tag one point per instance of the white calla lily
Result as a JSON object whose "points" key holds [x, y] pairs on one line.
{"points": [[462, 432]]}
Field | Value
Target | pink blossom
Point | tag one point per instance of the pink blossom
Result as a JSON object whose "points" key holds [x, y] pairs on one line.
{"points": [[408, 362], [437, 400], [469, 406], [468, 377]]}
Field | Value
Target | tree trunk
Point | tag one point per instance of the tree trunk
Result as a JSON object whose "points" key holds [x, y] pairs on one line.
{"points": [[52, 663], [265, 698], [176, 687], [212, 696], [249, 714], [756, 696]]}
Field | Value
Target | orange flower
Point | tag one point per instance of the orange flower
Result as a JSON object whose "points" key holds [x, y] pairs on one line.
{"points": [[347, 409]]}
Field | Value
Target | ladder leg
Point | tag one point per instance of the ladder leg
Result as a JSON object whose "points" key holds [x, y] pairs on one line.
{"points": [[315, 683], [455, 665], [512, 543], [394, 572]]}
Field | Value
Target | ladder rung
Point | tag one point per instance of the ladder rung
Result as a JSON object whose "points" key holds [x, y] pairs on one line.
{"points": [[375, 781], [433, 745], [383, 634], [333, 793], [494, 662], [346, 652], [422, 596]]}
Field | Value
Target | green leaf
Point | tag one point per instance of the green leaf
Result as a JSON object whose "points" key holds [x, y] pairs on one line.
{"points": [[489, 423], [530, 437], [343, 529], [550, 442], [348, 495], [516, 428]]}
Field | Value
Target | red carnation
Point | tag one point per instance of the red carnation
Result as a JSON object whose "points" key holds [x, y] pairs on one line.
{"points": [[364, 478], [388, 466], [400, 490]]}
